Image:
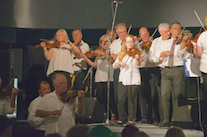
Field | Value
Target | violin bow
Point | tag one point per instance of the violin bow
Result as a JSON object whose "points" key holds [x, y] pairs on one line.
{"points": [[130, 26], [151, 37], [180, 34], [90, 69], [199, 20], [68, 92], [9, 83]]}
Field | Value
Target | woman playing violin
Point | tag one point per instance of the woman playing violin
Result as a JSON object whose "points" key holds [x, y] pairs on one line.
{"points": [[101, 77], [129, 79], [7, 100], [60, 58]]}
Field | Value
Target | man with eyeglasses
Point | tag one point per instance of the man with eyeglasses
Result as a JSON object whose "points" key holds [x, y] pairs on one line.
{"points": [[164, 30], [115, 48], [79, 64], [170, 55]]}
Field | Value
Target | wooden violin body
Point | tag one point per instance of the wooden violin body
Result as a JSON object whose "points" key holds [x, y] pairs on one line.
{"points": [[50, 43], [66, 96], [5, 92], [133, 52], [146, 45]]}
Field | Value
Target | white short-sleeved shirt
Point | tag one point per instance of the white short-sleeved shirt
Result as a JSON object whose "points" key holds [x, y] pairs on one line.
{"points": [[129, 75], [5, 107], [81, 64], [202, 42], [37, 122], [102, 70], [61, 60], [56, 124], [116, 46]]}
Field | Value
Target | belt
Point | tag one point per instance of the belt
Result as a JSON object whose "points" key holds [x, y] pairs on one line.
{"points": [[172, 66]]}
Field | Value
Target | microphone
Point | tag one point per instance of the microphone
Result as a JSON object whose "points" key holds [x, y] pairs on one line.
{"points": [[119, 2]]}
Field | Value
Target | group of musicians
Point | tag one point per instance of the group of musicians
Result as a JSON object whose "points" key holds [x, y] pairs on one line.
{"points": [[142, 71]]}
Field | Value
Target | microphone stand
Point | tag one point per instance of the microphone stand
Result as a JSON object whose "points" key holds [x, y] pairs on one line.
{"points": [[108, 57]]}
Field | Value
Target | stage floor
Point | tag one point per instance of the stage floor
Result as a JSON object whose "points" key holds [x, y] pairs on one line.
{"points": [[151, 130]]}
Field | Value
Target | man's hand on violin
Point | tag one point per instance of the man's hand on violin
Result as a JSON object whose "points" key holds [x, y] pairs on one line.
{"points": [[185, 38], [81, 94], [15, 92], [57, 112], [193, 43]]}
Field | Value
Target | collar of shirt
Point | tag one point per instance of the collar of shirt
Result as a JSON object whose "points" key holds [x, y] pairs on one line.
{"points": [[53, 94]]}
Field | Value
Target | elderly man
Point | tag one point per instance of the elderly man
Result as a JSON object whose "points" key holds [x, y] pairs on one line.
{"points": [[79, 64], [115, 46], [38, 123], [59, 107], [148, 72], [170, 54]]}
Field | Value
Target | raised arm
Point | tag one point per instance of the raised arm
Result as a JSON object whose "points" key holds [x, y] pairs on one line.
{"points": [[47, 53], [91, 63]]}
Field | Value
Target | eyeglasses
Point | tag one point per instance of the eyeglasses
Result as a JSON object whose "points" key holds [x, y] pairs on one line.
{"points": [[121, 32], [129, 42], [75, 34], [176, 28], [104, 42]]}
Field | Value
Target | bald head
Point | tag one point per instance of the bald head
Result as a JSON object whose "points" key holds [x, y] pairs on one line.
{"points": [[144, 34]]}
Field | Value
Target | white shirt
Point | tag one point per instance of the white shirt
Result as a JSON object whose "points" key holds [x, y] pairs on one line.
{"points": [[129, 74], [145, 56], [202, 42], [116, 46], [166, 46], [37, 122], [5, 107], [155, 45], [81, 64], [102, 70], [61, 60], [54, 123]]}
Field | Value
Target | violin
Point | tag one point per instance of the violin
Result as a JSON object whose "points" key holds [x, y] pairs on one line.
{"points": [[66, 96], [50, 43], [96, 52], [146, 45], [88, 54], [7, 92], [133, 52]]}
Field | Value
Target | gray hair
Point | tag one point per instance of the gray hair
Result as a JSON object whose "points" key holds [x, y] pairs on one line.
{"points": [[55, 75], [120, 25], [162, 25]]}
